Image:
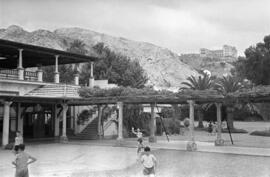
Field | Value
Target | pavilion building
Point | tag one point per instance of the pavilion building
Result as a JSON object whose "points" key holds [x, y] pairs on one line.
{"points": [[28, 104]]}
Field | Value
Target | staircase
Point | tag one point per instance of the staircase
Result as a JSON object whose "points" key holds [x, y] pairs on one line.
{"points": [[89, 133]]}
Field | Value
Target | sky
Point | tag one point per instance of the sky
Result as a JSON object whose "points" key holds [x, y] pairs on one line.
{"points": [[183, 26]]}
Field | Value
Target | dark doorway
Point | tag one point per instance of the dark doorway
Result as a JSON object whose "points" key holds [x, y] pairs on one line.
{"points": [[38, 122]]}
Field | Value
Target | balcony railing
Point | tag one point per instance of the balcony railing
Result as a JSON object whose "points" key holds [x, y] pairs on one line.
{"points": [[9, 74], [13, 74], [30, 76]]}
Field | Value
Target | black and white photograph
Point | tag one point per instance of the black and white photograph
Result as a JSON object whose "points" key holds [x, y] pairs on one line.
{"points": [[135, 88]]}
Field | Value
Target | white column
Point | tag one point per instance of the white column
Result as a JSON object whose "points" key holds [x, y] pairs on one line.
{"points": [[120, 120], [56, 73], [64, 123], [40, 75], [75, 112], [76, 79], [20, 66], [219, 141], [56, 122], [20, 119], [5, 136], [99, 121], [20, 59], [92, 70], [92, 79], [191, 146], [152, 137]]}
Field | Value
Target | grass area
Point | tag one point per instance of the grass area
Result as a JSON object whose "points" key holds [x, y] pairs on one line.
{"points": [[234, 130], [261, 133]]}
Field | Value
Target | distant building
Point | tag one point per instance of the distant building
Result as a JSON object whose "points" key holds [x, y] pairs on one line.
{"points": [[226, 51], [229, 51]]}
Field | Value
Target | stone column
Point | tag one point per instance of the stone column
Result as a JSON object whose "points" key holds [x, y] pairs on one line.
{"points": [[191, 145], [76, 79], [91, 79], [120, 120], [56, 122], [152, 137], [64, 138], [76, 127], [20, 118], [99, 121], [40, 75], [56, 73], [20, 66], [219, 141], [5, 136]]}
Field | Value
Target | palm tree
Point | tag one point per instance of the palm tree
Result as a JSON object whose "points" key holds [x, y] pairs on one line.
{"points": [[78, 47], [225, 85], [203, 82]]}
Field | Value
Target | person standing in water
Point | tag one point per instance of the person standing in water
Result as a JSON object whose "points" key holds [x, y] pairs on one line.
{"points": [[139, 135], [149, 162]]}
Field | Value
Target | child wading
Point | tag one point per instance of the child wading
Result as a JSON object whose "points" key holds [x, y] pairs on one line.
{"points": [[22, 161], [139, 135], [149, 162], [18, 138]]}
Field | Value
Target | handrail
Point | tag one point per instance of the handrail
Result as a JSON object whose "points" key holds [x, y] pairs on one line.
{"points": [[9, 71], [29, 75], [11, 74]]}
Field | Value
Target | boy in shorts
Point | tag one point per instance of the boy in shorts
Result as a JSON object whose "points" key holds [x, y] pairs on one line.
{"points": [[22, 161], [149, 162], [139, 135], [140, 149]]}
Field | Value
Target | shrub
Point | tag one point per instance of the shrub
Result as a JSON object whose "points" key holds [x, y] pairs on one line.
{"points": [[261, 133], [85, 115], [171, 126], [234, 130]]}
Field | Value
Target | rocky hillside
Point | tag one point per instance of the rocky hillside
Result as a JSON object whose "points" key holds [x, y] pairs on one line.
{"points": [[216, 66], [163, 67]]}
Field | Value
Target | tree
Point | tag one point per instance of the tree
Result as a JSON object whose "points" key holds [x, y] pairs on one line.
{"points": [[65, 71], [116, 68], [68, 70], [256, 65], [225, 85], [199, 83], [78, 47]]}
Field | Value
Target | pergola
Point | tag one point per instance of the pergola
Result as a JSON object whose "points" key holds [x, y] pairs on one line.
{"points": [[190, 97]]}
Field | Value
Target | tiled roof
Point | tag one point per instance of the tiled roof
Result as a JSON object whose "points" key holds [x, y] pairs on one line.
{"points": [[55, 90]]}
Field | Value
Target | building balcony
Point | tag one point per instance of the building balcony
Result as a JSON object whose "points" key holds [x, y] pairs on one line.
{"points": [[15, 74]]}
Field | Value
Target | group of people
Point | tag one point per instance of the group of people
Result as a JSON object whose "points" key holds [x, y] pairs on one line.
{"points": [[144, 155], [212, 128], [22, 159]]}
